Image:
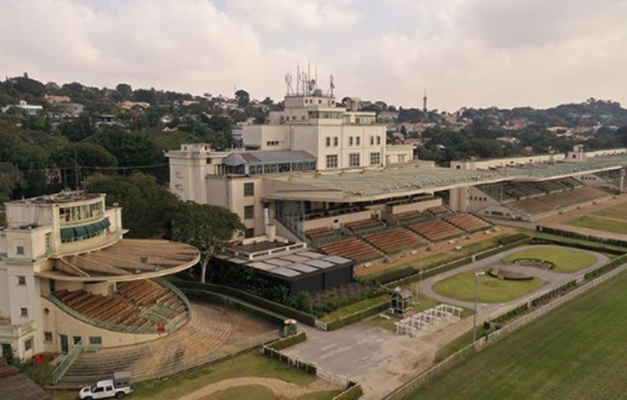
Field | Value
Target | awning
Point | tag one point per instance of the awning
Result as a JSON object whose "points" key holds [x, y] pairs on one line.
{"points": [[67, 234], [105, 222], [91, 228], [80, 231]]}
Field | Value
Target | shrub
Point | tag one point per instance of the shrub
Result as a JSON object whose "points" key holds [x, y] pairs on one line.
{"points": [[353, 392], [358, 316], [395, 275], [289, 341], [512, 238]]}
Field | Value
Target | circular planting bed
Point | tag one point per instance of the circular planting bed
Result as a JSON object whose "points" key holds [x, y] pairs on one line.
{"points": [[562, 259], [509, 275]]}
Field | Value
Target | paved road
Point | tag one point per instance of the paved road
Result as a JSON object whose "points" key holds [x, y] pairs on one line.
{"points": [[552, 279]]}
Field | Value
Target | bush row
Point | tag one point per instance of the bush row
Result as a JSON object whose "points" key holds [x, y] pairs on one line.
{"points": [[205, 295], [606, 268], [358, 316], [568, 286], [395, 275], [289, 341], [353, 392], [582, 246], [501, 319], [512, 238], [434, 270], [575, 235], [496, 273], [277, 355]]}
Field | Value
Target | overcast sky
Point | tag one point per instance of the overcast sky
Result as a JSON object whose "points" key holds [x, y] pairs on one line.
{"points": [[474, 53]]}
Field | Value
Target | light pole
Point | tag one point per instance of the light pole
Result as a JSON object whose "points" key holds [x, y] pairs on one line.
{"points": [[474, 316], [420, 288]]}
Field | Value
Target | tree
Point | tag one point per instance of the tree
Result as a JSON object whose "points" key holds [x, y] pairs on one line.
{"points": [[242, 97], [205, 227], [129, 148], [125, 90], [147, 206]]}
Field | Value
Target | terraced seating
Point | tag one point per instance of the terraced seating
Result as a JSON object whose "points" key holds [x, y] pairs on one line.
{"points": [[395, 240], [556, 201], [529, 189], [468, 222], [101, 308], [410, 217], [436, 230], [439, 211], [366, 226], [208, 330], [353, 248], [318, 232], [142, 292]]}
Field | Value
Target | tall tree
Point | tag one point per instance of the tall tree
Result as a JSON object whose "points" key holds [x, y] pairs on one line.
{"points": [[242, 97], [205, 227]]}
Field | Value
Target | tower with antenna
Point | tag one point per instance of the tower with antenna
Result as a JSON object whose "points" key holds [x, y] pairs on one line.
{"points": [[424, 102]]}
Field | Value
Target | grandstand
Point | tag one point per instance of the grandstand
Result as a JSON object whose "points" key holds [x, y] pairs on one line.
{"points": [[437, 230]]}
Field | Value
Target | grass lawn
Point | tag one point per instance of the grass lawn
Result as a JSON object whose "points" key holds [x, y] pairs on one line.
{"points": [[489, 289], [617, 213], [575, 352], [353, 308], [249, 364], [564, 258], [600, 224]]}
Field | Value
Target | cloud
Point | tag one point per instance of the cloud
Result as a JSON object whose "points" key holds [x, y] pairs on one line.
{"points": [[464, 52]]}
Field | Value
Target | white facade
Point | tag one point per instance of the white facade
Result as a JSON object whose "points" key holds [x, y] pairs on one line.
{"points": [[312, 134]]}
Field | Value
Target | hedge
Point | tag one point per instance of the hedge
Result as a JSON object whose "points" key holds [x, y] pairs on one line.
{"points": [[358, 316], [394, 275], [199, 294], [582, 246], [512, 238], [353, 392], [575, 235], [431, 272], [288, 341], [298, 315], [606, 268]]}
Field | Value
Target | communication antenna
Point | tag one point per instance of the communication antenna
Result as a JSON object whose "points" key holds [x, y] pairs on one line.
{"points": [[331, 85], [297, 78], [288, 83]]}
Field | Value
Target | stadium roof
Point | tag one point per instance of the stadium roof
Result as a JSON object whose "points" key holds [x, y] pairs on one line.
{"points": [[369, 185], [127, 259]]}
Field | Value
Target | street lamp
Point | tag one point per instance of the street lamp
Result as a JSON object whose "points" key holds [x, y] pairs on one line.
{"points": [[474, 316]]}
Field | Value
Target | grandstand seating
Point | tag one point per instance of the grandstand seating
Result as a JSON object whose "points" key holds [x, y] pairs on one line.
{"points": [[207, 331], [467, 222], [352, 248], [141, 303], [436, 230], [366, 226], [439, 211], [410, 217], [556, 201], [395, 240]]}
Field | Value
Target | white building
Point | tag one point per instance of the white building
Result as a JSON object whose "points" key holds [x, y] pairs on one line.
{"points": [[70, 245], [312, 135]]}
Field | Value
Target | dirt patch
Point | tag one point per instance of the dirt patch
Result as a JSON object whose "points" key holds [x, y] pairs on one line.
{"points": [[244, 326], [282, 390]]}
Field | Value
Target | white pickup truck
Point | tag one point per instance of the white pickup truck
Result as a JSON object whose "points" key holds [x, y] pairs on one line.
{"points": [[117, 387]]}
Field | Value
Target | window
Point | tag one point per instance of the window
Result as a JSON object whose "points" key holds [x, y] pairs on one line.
{"points": [[357, 140], [371, 140], [20, 250], [21, 280], [250, 232], [76, 340], [28, 344], [48, 236], [335, 141], [350, 141], [328, 141], [272, 143], [249, 189], [353, 160], [24, 312], [48, 336], [378, 139], [375, 158], [332, 161], [249, 212], [95, 340]]}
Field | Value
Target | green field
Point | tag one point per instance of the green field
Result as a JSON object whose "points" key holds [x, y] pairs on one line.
{"points": [[565, 259], [575, 352], [614, 212], [600, 224], [489, 289]]}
